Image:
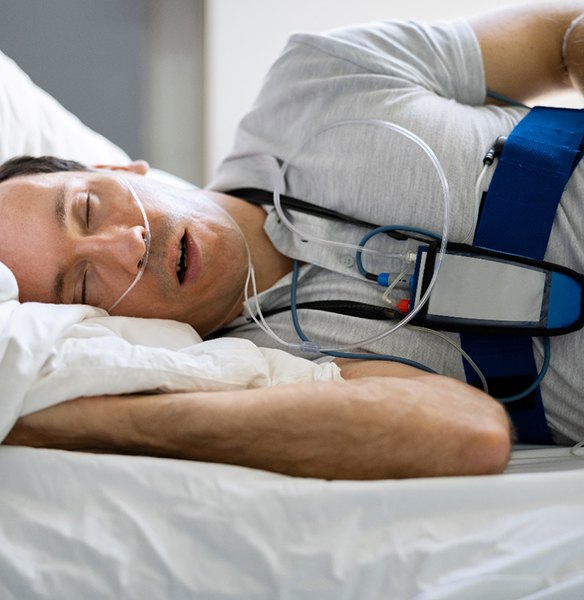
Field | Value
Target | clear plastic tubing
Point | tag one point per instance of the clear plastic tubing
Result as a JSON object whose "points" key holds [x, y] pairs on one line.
{"points": [[147, 242], [446, 203]]}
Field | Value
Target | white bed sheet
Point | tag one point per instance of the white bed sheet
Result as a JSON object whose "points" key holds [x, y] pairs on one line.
{"points": [[97, 526]]}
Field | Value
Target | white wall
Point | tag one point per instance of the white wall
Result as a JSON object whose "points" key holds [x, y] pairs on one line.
{"points": [[175, 109], [243, 37]]}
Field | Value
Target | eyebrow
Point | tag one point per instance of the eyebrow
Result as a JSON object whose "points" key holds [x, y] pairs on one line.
{"points": [[60, 214], [61, 218]]}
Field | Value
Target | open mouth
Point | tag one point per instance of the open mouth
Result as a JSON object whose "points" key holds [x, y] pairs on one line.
{"points": [[181, 261]]}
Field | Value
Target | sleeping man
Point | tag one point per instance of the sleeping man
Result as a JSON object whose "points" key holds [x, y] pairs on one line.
{"points": [[109, 237]]}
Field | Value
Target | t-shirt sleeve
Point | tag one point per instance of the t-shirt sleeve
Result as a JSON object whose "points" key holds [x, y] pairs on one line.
{"points": [[427, 78], [444, 58]]}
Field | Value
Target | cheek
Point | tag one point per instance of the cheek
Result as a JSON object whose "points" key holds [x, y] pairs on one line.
{"points": [[161, 201], [32, 266], [146, 303], [147, 298]]}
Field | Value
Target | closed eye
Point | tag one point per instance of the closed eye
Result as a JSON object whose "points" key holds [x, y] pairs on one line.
{"points": [[87, 210], [84, 288]]}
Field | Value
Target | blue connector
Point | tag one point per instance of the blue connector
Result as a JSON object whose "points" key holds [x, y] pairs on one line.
{"points": [[383, 279]]}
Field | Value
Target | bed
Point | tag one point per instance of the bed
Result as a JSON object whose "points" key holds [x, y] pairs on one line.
{"points": [[87, 525]]}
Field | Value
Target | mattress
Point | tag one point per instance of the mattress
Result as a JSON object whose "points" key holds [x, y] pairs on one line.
{"points": [[94, 526]]}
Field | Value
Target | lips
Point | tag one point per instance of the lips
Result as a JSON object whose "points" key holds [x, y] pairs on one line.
{"points": [[193, 265], [187, 259], [182, 259]]}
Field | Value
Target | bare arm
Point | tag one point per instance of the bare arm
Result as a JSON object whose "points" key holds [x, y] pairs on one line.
{"points": [[407, 425], [522, 49]]}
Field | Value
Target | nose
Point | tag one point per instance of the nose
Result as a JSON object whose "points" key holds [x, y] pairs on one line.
{"points": [[121, 249]]}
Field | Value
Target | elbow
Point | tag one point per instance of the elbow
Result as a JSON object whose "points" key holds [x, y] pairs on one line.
{"points": [[489, 446]]}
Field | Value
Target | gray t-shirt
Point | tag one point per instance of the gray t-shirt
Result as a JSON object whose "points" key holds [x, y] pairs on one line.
{"points": [[319, 113]]}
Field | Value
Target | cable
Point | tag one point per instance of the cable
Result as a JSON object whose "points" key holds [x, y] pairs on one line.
{"points": [[537, 381], [386, 357], [444, 237], [336, 354], [478, 196], [280, 182], [309, 346], [459, 349], [314, 346], [505, 99], [261, 323], [385, 298], [385, 229], [251, 280]]}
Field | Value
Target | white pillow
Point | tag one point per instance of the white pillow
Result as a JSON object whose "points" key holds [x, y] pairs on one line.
{"points": [[33, 122]]}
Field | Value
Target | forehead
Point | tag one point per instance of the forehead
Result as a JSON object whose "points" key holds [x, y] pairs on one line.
{"points": [[38, 187], [33, 192], [28, 230], [28, 193], [38, 199]]}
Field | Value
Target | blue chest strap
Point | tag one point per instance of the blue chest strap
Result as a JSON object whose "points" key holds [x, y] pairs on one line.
{"points": [[517, 217]]}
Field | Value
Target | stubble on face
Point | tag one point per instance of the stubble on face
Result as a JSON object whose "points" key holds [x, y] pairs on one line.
{"points": [[217, 294]]}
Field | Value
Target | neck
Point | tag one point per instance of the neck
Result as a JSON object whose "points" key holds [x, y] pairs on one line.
{"points": [[269, 264]]}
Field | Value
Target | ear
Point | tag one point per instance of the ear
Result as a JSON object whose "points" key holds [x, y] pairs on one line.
{"points": [[139, 167]]}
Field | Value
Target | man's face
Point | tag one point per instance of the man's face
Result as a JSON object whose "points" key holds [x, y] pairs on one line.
{"points": [[79, 237]]}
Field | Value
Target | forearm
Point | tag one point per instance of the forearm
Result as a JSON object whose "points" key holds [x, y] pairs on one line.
{"points": [[370, 428]]}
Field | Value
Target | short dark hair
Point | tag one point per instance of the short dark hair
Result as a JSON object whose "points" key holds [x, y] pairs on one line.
{"points": [[29, 165]]}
